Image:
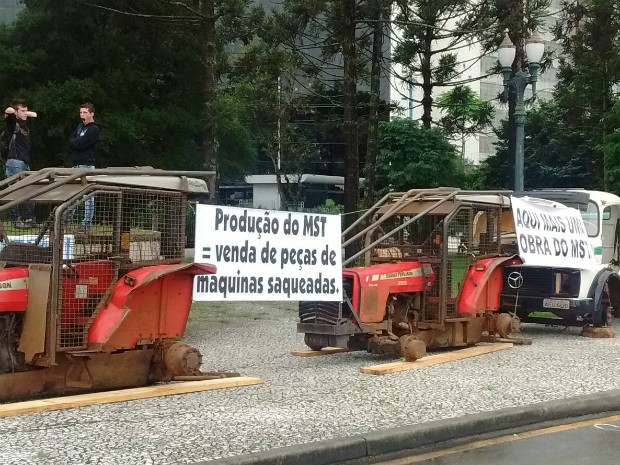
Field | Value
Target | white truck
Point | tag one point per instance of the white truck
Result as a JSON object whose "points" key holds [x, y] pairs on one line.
{"points": [[571, 296]]}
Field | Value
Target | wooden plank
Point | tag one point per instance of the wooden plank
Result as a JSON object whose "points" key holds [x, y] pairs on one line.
{"points": [[523, 341], [123, 395], [323, 351], [430, 360]]}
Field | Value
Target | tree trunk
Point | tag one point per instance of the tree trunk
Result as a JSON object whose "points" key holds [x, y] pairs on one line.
{"points": [[427, 79], [351, 161], [607, 102], [210, 143], [373, 109]]}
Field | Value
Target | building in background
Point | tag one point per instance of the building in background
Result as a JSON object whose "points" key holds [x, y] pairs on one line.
{"points": [[477, 148], [9, 10]]}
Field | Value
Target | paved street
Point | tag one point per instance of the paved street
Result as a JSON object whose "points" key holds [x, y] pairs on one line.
{"points": [[302, 400], [584, 443]]}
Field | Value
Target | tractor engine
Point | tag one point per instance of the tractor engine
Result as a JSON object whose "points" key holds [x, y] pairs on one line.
{"points": [[381, 304]]}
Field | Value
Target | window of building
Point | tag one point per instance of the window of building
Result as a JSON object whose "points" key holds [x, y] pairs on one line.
{"points": [[489, 91], [486, 147]]}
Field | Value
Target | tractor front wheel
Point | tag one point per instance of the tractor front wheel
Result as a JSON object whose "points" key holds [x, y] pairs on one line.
{"points": [[313, 343], [412, 348]]}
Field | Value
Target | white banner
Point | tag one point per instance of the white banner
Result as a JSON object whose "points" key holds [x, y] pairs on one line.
{"points": [[551, 235], [267, 255]]}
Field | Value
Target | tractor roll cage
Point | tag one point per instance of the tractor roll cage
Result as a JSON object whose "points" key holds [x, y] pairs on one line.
{"points": [[459, 210], [396, 203], [56, 185]]}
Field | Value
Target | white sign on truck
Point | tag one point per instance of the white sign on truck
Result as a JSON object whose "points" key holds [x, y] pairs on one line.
{"points": [[551, 234], [267, 255]]}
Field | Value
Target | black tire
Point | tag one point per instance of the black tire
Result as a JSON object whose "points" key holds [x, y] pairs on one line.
{"points": [[312, 344], [605, 308]]}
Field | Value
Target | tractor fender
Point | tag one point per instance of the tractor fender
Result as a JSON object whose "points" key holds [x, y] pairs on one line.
{"points": [[596, 290], [479, 292], [126, 317]]}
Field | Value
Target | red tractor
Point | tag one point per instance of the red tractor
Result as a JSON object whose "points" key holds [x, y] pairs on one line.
{"points": [[429, 276], [96, 294]]}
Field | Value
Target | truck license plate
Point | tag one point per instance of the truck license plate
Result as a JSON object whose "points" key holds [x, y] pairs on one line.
{"points": [[556, 303]]}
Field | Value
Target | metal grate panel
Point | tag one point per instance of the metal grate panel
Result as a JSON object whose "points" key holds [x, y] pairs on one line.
{"points": [[333, 313], [102, 235], [456, 242]]}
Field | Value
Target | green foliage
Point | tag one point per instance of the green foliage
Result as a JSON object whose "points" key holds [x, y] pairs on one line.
{"points": [[557, 154], [412, 157], [330, 208], [464, 113], [237, 143], [611, 149], [571, 140], [587, 79], [144, 75]]}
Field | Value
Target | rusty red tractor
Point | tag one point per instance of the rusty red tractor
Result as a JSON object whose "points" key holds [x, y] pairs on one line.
{"points": [[95, 305], [429, 276]]}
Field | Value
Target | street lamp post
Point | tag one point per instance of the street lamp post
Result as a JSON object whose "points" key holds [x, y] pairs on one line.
{"points": [[517, 83]]}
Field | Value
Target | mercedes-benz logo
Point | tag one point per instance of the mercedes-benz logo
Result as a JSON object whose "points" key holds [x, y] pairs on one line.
{"points": [[515, 280]]}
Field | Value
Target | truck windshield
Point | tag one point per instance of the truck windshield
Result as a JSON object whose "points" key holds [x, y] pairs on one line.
{"points": [[590, 219]]}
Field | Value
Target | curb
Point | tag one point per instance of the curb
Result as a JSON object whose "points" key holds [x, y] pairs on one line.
{"points": [[394, 440]]}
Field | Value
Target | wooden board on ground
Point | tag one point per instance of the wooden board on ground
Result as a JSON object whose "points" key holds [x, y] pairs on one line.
{"points": [[430, 360], [323, 351], [523, 341], [123, 395]]}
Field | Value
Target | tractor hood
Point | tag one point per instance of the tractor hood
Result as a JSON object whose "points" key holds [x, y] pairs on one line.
{"points": [[390, 274]]}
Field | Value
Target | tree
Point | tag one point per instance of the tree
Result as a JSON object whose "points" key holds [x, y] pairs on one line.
{"points": [[556, 154], [570, 142], [413, 157], [263, 79], [379, 14], [587, 78], [465, 114], [336, 29], [141, 70], [433, 32], [611, 150]]}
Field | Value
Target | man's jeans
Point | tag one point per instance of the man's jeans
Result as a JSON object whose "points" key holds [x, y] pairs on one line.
{"points": [[14, 166], [89, 204]]}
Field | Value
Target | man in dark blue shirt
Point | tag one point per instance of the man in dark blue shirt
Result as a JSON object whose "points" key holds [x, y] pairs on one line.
{"points": [[83, 144], [18, 158]]}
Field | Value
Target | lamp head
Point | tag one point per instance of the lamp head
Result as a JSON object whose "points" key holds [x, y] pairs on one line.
{"points": [[506, 52], [534, 48]]}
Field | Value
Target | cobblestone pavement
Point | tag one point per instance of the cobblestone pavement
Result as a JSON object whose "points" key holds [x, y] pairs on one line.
{"points": [[302, 399]]}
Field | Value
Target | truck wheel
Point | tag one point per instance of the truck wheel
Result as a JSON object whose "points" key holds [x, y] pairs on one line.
{"points": [[604, 304]]}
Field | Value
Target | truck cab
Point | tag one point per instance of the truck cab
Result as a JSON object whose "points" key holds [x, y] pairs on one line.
{"points": [[571, 296]]}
